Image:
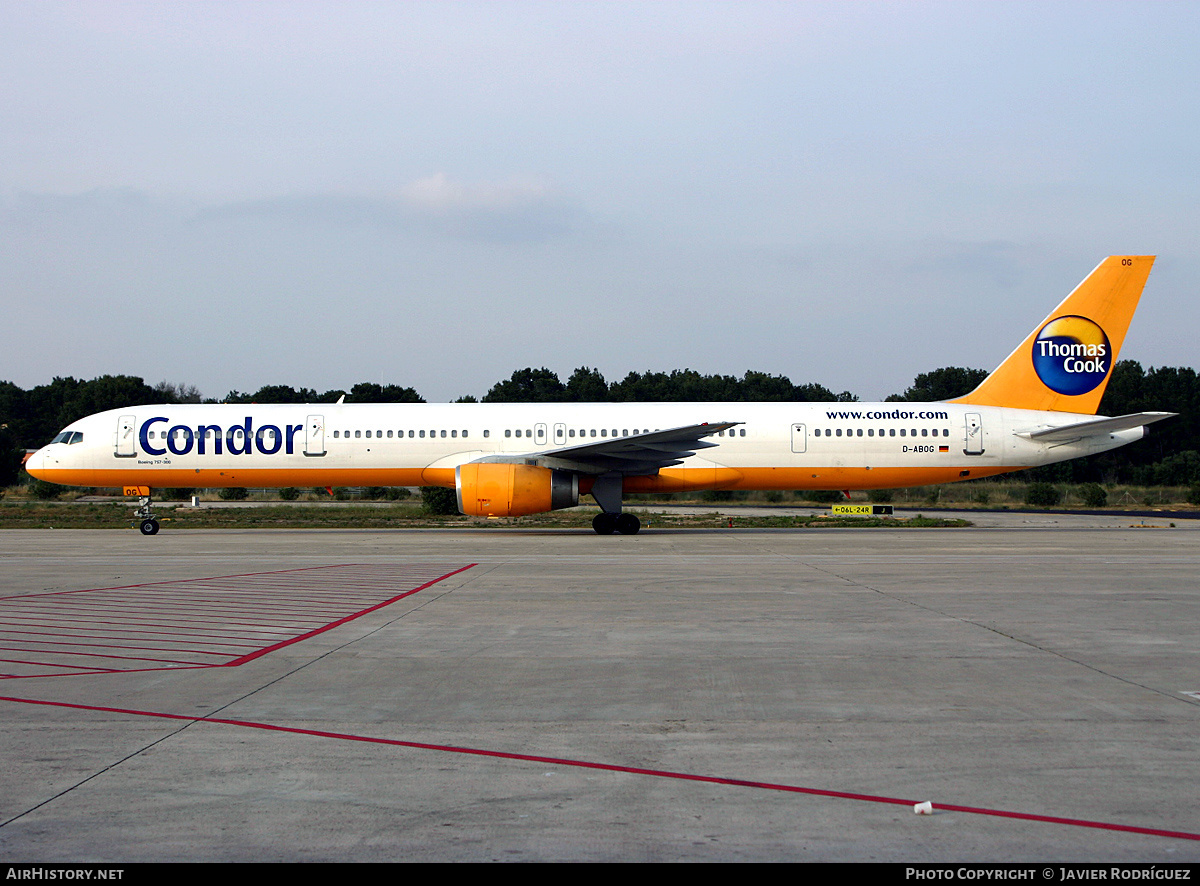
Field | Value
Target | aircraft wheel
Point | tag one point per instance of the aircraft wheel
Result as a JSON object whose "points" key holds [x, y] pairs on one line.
{"points": [[628, 524], [605, 524], [149, 527]]}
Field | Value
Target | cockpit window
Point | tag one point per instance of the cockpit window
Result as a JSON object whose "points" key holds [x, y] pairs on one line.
{"points": [[69, 437]]}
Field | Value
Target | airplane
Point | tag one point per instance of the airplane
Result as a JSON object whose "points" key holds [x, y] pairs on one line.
{"points": [[1038, 407]]}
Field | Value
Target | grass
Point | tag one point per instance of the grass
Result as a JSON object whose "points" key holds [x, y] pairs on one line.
{"points": [[118, 515], [17, 511]]}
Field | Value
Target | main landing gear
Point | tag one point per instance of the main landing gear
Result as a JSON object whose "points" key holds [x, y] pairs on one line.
{"points": [[607, 491], [624, 523], [147, 523]]}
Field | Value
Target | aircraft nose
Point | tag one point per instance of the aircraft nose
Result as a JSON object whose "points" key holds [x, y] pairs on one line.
{"points": [[36, 462]]}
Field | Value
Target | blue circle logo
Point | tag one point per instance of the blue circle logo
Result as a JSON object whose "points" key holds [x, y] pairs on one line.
{"points": [[1072, 355]]}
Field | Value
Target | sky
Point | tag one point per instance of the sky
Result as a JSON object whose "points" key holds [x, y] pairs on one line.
{"points": [[434, 195]]}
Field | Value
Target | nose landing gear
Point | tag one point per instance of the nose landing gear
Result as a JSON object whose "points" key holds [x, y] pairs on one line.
{"points": [[145, 520]]}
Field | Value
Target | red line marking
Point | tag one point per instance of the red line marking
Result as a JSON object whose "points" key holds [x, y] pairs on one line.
{"points": [[47, 664], [615, 767], [172, 581], [357, 586], [341, 621], [181, 661], [44, 646]]}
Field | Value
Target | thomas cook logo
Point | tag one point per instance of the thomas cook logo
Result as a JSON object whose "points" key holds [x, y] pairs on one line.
{"points": [[1072, 355]]}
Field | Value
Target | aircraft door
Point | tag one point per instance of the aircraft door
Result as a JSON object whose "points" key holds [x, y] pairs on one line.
{"points": [[314, 435], [126, 445], [974, 434], [539, 434], [560, 434], [799, 438]]}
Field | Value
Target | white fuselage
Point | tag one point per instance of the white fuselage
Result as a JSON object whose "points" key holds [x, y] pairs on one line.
{"points": [[773, 446]]}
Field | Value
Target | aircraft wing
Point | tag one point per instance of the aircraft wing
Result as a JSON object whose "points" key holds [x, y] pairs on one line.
{"points": [[1095, 428], [635, 454]]}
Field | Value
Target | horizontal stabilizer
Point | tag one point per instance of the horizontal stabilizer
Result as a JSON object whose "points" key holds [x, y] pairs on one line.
{"points": [[1096, 428]]}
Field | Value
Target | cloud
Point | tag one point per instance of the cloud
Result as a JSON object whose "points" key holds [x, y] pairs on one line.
{"points": [[517, 210], [437, 193]]}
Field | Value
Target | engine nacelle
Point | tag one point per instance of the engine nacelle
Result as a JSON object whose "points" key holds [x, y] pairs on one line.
{"points": [[507, 490]]}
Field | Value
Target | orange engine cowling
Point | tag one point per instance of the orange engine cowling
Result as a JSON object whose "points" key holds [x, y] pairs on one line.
{"points": [[506, 490]]}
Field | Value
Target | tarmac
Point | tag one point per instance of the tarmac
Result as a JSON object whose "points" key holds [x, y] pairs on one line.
{"points": [[507, 694]]}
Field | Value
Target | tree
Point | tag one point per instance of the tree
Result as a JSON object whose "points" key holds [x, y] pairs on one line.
{"points": [[274, 394], [527, 386], [50, 408], [1042, 494], [439, 500], [11, 457], [369, 392], [177, 393], [586, 386], [941, 384]]}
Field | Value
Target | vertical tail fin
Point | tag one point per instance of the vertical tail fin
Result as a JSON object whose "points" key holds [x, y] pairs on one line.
{"points": [[1065, 363]]}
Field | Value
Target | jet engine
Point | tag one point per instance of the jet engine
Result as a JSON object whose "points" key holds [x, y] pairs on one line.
{"points": [[509, 490]]}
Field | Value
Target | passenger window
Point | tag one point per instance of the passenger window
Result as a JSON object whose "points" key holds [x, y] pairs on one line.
{"points": [[924, 432], [422, 435], [902, 432]]}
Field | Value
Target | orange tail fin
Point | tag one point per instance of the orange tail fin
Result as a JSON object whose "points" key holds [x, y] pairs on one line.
{"points": [[1065, 363]]}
